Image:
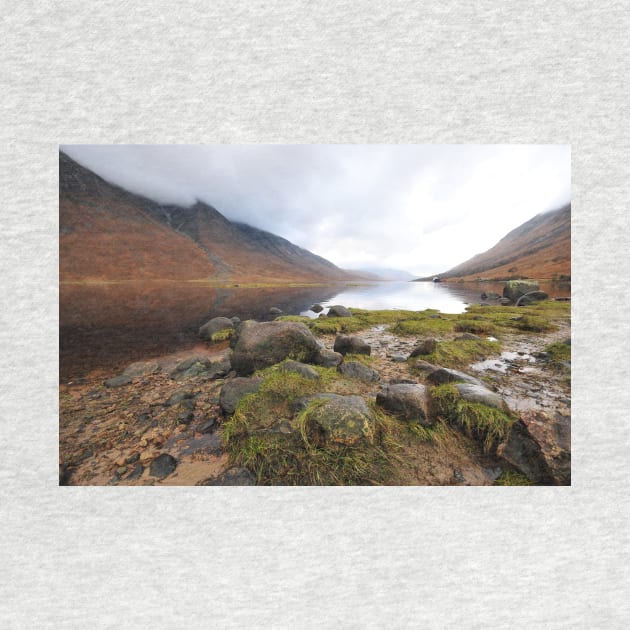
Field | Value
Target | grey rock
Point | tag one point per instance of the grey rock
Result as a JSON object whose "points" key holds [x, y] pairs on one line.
{"points": [[300, 404], [339, 311], [473, 392], [398, 358], [234, 390], [208, 426], [522, 451], [260, 345], [441, 376], [426, 346], [302, 369], [317, 308], [118, 381], [354, 369], [406, 401], [342, 419], [514, 289], [141, 368], [236, 476], [328, 358], [235, 321], [185, 411], [136, 472], [468, 337], [215, 325], [350, 344], [274, 310], [163, 465], [177, 397]]}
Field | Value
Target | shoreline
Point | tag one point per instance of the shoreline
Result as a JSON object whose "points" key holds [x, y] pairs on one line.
{"points": [[107, 432]]}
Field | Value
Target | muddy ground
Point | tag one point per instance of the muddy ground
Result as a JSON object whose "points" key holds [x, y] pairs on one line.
{"points": [[111, 433]]}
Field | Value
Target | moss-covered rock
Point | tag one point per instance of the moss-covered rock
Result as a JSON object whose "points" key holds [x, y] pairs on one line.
{"points": [[260, 345], [343, 419]]}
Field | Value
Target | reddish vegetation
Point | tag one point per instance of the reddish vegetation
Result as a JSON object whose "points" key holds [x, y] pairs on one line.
{"points": [[109, 234], [540, 249]]}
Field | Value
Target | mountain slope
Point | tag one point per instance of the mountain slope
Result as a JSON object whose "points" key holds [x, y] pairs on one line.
{"points": [[539, 248], [107, 233]]}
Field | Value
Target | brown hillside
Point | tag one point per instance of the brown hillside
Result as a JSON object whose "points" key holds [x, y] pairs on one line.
{"points": [[539, 248], [109, 234]]}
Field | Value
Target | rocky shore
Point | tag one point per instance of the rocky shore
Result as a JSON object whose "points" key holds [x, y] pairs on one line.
{"points": [[351, 397]]}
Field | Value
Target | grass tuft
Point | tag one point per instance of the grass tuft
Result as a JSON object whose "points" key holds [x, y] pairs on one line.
{"points": [[480, 422]]}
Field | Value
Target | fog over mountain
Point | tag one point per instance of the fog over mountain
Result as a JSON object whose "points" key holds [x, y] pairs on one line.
{"points": [[419, 208]]}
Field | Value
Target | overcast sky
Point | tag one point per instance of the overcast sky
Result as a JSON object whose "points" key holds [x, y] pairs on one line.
{"points": [[420, 208]]}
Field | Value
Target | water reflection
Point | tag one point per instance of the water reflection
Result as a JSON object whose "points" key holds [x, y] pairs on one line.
{"points": [[107, 326]]}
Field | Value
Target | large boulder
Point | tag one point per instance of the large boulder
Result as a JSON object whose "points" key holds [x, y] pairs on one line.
{"points": [[355, 369], [260, 345], [441, 376], [339, 311], [214, 326], [162, 466], [531, 298], [141, 368], [405, 401], [233, 391], [350, 344], [514, 289], [342, 419]]}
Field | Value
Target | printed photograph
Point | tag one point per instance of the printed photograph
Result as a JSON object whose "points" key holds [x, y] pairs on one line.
{"points": [[299, 315]]}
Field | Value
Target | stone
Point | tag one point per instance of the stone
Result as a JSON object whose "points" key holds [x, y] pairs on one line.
{"points": [[215, 325], [398, 358], [185, 411], [300, 404], [473, 392], [490, 295], [514, 289], [350, 344], [523, 452], [234, 390], [163, 465], [317, 308], [136, 472], [274, 310], [426, 346], [424, 366], [468, 337], [235, 476], [339, 311], [328, 358], [355, 369], [118, 381], [208, 426], [141, 368], [406, 402], [302, 369], [342, 419], [177, 397], [235, 320], [441, 376], [531, 298], [260, 345]]}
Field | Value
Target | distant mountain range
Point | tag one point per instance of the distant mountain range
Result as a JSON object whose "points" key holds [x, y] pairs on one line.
{"points": [[539, 248], [108, 234], [383, 273]]}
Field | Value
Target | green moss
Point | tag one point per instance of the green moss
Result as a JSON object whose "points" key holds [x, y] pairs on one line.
{"points": [[222, 335], [458, 354], [304, 458], [477, 327], [512, 478], [423, 326], [480, 422]]}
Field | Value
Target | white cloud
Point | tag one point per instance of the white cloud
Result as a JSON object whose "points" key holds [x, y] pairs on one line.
{"points": [[422, 208]]}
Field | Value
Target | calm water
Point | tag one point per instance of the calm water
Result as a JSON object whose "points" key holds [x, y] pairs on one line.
{"points": [[105, 327]]}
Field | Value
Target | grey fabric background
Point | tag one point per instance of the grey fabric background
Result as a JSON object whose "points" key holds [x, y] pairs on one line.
{"points": [[304, 72]]}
